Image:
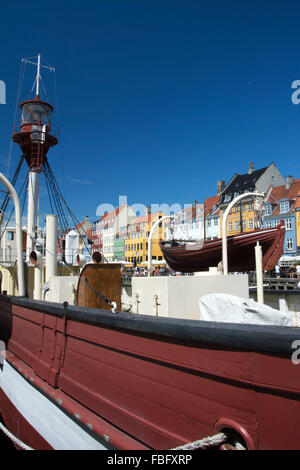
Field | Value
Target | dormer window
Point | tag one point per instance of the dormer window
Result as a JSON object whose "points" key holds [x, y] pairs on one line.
{"points": [[284, 207], [268, 209], [227, 198]]}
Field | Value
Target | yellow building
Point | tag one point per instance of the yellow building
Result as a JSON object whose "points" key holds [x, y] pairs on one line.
{"points": [[297, 212], [240, 219], [136, 239], [242, 216]]}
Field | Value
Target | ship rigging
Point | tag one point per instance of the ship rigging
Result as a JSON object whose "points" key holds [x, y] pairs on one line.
{"points": [[36, 134]]}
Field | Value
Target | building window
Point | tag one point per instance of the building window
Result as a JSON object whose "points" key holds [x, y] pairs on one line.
{"points": [[244, 224], [215, 221], [243, 207], [250, 223], [209, 223], [268, 224], [268, 209], [289, 244], [236, 208], [284, 207], [10, 236], [227, 197], [237, 225], [250, 206], [230, 227], [288, 224]]}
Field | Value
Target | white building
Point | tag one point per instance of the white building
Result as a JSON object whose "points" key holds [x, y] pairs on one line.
{"points": [[188, 225], [212, 218], [108, 227], [8, 244]]}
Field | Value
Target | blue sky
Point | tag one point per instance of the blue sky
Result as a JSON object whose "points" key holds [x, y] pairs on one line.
{"points": [[156, 99]]}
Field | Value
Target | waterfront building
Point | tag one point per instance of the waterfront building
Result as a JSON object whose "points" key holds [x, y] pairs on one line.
{"points": [[119, 248], [297, 217], [104, 232], [242, 216], [136, 237], [282, 203], [212, 218], [83, 230], [188, 225], [8, 246]]}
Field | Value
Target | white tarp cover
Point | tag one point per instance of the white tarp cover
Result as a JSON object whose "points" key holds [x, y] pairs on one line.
{"points": [[72, 247], [232, 309]]}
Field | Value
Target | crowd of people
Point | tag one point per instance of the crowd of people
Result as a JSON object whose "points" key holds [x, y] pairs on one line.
{"points": [[292, 271], [154, 271], [285, 272]]}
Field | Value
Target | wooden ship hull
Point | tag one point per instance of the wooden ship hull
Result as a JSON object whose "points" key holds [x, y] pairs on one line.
{"points": [[84, 378], [200, 257]]}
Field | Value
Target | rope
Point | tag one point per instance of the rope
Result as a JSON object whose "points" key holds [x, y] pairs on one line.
{"points": [[102, 297], [209, 441], [14, 438], [59, 198]]}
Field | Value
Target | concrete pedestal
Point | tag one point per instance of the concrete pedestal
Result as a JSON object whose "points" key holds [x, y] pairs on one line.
{"points": [[179, 296]]}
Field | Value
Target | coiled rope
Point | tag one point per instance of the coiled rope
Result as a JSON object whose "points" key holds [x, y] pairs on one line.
{"points": [[14, 438], [210, 441]]}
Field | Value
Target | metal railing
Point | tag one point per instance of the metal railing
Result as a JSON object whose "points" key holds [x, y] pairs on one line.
{"points": [[277, 284]]}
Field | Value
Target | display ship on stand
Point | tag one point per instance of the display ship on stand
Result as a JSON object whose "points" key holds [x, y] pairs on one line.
{"points": [[178, 372]]}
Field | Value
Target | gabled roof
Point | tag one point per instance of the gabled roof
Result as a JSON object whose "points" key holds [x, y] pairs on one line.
{"points": [[209, 204], [143, 218], [297, 202], [279, 193], [242, 183], [111, 214]]}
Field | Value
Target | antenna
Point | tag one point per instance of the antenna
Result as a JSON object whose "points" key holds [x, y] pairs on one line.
{"points": [[38, 75], [38, 71]]}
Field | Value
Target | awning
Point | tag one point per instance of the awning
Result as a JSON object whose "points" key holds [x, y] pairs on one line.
{"points": [[289, 258], [155, 261]]}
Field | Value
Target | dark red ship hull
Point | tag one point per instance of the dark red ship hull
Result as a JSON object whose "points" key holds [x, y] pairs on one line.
{"points": [[241, 254], [138, 382]]}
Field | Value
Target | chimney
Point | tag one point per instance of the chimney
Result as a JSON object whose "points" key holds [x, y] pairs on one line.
{"points": [[220, 186], [194, 210], [250, 168], [288, 182]]}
